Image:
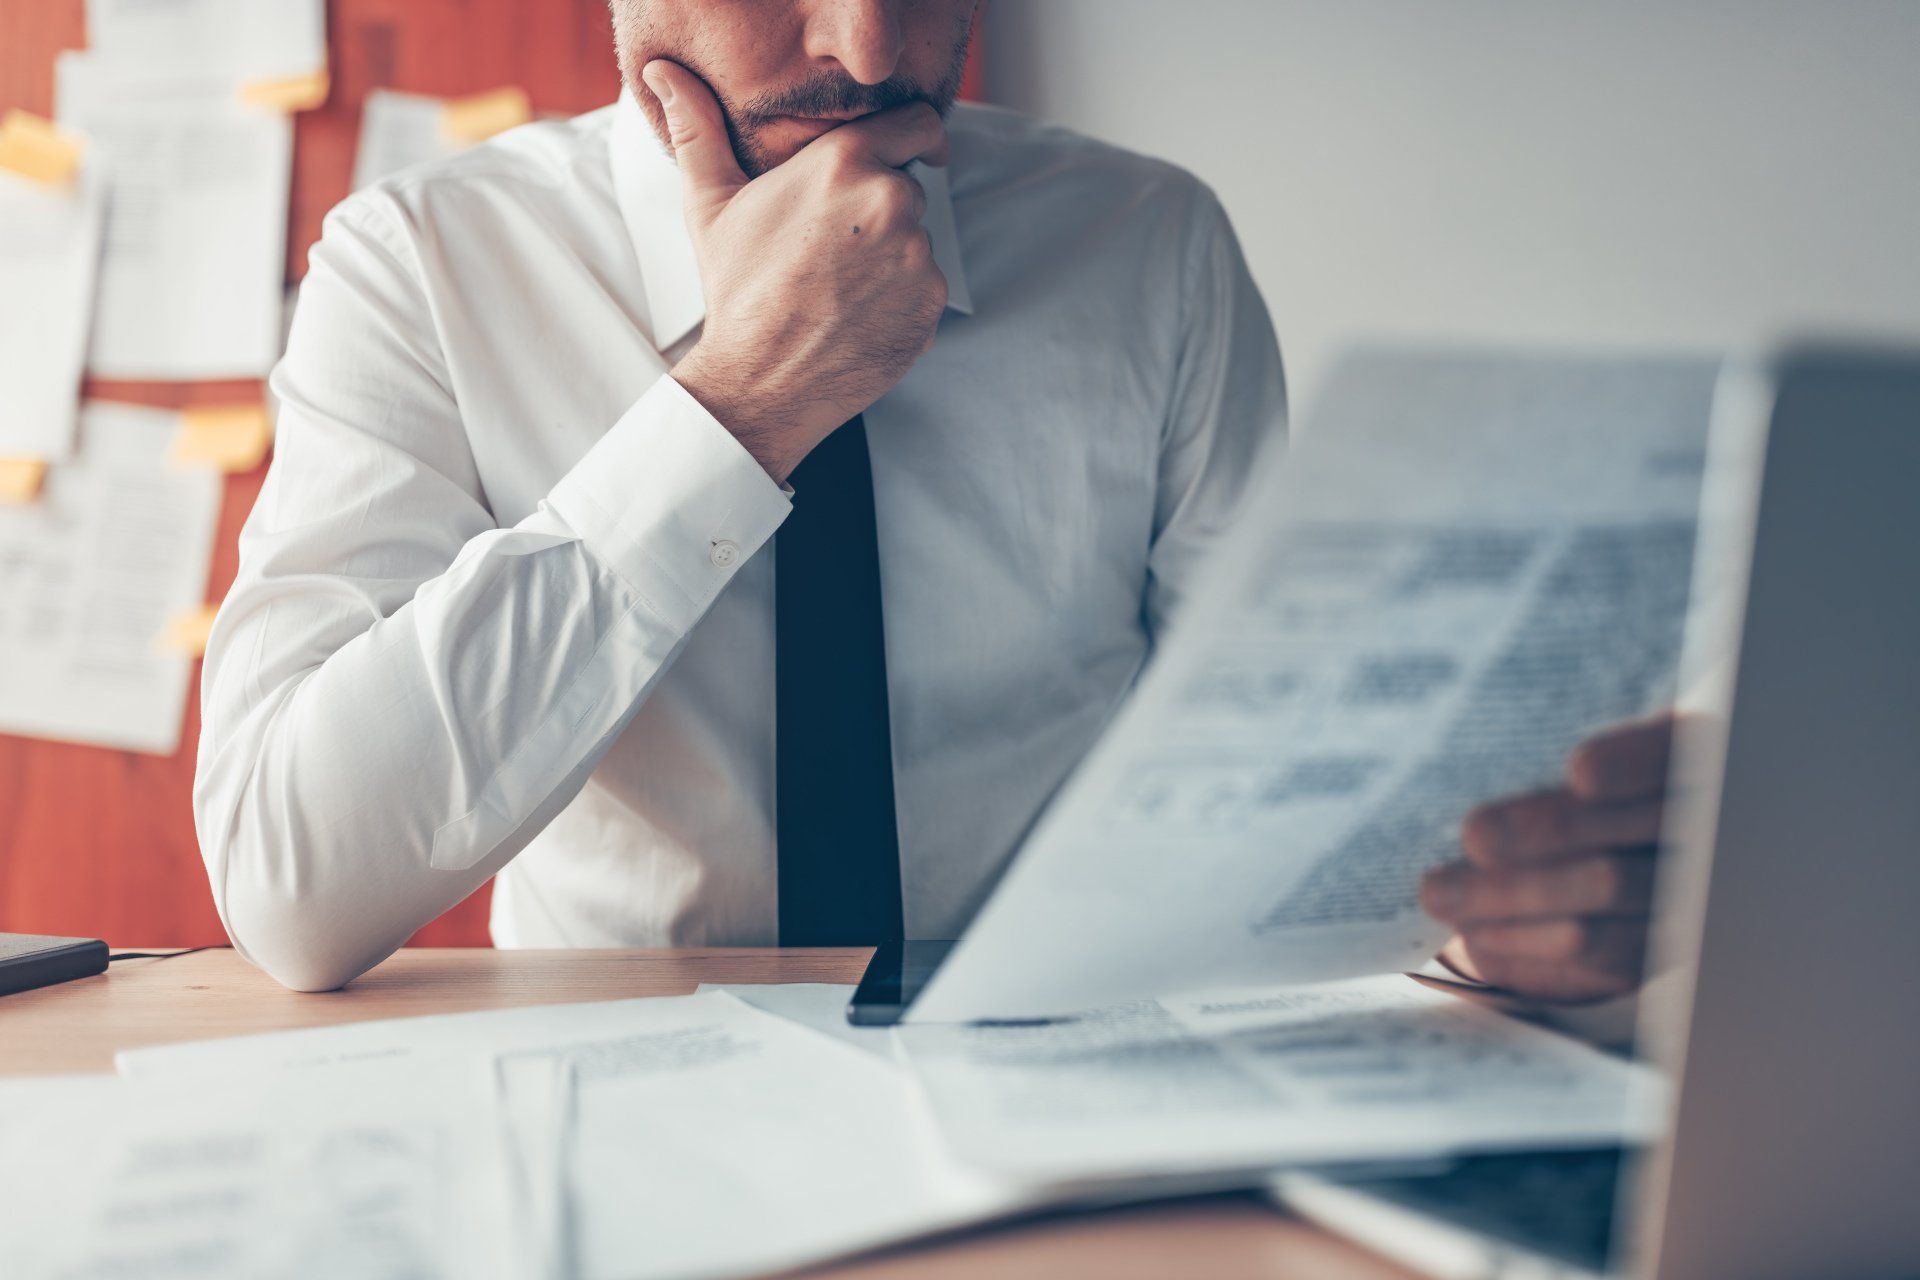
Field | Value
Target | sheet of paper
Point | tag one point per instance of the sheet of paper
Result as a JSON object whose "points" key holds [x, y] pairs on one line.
{"points": [[401, 130], [118, 545], [191, 281], [818, 1006], [370, 1171], [49, 252], [1365, 1069], [1466, 564], [706, 1138], [251, 39]]}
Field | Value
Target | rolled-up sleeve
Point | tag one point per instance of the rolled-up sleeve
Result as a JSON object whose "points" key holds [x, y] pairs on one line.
{"points": [[398, 692]]}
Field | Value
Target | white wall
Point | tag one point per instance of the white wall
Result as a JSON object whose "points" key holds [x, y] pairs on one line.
{"points": [[1700, 172]]}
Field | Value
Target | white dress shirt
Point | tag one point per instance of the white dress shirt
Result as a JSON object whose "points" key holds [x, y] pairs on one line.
{"points": [[505, 606]]}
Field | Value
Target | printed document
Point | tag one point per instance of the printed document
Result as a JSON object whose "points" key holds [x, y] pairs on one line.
{"points": [[706, 1138], [398, 131], [91, 574], [1365, 1069], [1467, 564], [370, 1171], [49, 252], [191, 281], [250, 39]]}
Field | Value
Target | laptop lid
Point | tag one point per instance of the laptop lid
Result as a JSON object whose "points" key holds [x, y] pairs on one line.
{"points": [[1793, 900]]}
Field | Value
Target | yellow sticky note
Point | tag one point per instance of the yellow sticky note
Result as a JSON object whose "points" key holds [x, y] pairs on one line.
{"points": [[289, 93], [478, 118], [188, 633], [21, 478], [227, 438], [34, 148]]}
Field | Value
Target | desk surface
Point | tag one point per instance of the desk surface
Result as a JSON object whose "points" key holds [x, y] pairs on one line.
{"points": [[77, 1027]]}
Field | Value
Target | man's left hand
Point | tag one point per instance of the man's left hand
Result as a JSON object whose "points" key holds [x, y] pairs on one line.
{"points": [[1553, 897]]}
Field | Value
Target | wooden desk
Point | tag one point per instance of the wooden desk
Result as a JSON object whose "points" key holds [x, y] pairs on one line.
{"points": [[78, 1027]]}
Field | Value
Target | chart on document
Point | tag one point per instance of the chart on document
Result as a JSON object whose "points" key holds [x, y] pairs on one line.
{"points": [[1466, 565]]}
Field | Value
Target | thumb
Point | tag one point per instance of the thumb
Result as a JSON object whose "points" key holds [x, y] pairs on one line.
{"points": [[697, 131]]}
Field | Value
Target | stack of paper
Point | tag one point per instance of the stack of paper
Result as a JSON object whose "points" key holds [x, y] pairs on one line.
{"points": [[366, 1171]]}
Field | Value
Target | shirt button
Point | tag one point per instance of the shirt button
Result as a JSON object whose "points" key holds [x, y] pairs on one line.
{"points": [[724, 554]]}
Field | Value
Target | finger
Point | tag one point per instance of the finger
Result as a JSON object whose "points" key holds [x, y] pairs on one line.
{"points": [[1553, 824], [1567, 960], [1625, 762], [898, 136], [697, 131], [1604, 884]]}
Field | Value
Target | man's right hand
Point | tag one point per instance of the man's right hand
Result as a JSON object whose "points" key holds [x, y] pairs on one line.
{"points": [[820, 283]]}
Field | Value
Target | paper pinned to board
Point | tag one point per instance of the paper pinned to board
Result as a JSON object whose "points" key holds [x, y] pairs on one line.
{"points": [[21, 479], [38, 149], [192, 275], [401, 130], [476, 118], [241, 40], [228, 438], [118, 544], [1469, 562], [50, 243], [289, 94]]}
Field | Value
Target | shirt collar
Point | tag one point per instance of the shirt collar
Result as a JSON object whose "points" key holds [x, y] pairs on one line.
{"points": [[647, 184]]}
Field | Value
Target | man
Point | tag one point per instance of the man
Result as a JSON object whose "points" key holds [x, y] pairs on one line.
{"points": [[737, 540]]}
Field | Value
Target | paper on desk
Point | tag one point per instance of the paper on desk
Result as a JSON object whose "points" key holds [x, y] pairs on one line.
{"points": [[364, 1172], [1365, 1069], [250, 39], [706, 1138], [118, 545], [1467, 564], [818, 1006], [49, 251], [401, 130], [196, 229]]}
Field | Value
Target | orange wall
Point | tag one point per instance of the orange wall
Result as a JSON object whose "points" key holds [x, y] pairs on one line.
{"points": [[100, 843]]}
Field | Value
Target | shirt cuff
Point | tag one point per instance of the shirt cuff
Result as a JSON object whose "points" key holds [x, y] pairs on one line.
{"points": [[672, 502]]}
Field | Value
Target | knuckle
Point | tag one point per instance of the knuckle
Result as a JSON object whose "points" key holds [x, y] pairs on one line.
{"points": [[1570, 940], [1606, 881]]}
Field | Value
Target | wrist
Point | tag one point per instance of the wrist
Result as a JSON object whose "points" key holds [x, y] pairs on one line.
{"points": [[733, 404]]}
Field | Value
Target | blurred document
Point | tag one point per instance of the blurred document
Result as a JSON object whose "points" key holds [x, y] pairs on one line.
{"points": [[91, 574], [818, 1006], [706, 1138], [49, 252], [368, 1172], [250, 39], [401, 130], [191, 282], [1466, 564], [1366, 1069]]}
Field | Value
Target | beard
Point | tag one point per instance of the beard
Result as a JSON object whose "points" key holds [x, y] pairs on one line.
{"points": [[825, 94]]}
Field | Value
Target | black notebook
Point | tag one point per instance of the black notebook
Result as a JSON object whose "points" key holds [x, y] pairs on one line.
{"points": [[27, 961]]}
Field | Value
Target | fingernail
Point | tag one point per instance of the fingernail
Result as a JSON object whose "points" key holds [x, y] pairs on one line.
{"points": [[661, 85]]}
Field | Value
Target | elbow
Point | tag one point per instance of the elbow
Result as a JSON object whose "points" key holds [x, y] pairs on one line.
{"points": [[303, 939]]}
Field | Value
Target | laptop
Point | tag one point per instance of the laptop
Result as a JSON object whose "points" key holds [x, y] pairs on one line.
{"points": [[1790, 912]]}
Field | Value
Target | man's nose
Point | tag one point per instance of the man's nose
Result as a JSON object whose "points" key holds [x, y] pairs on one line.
{"points": [[862, 36]]}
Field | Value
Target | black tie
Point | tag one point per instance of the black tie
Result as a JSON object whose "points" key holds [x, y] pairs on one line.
{"points": [[838, 847]]}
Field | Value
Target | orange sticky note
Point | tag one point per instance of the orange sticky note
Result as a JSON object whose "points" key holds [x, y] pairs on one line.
{"points": [[226, 438], [478, 118], [289, 93], [35, 149], [21, 478], [188, 633]]}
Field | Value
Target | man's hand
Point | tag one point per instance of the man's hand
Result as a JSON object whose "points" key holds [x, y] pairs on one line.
{"points": [[820, 282], [1553, 897]]}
